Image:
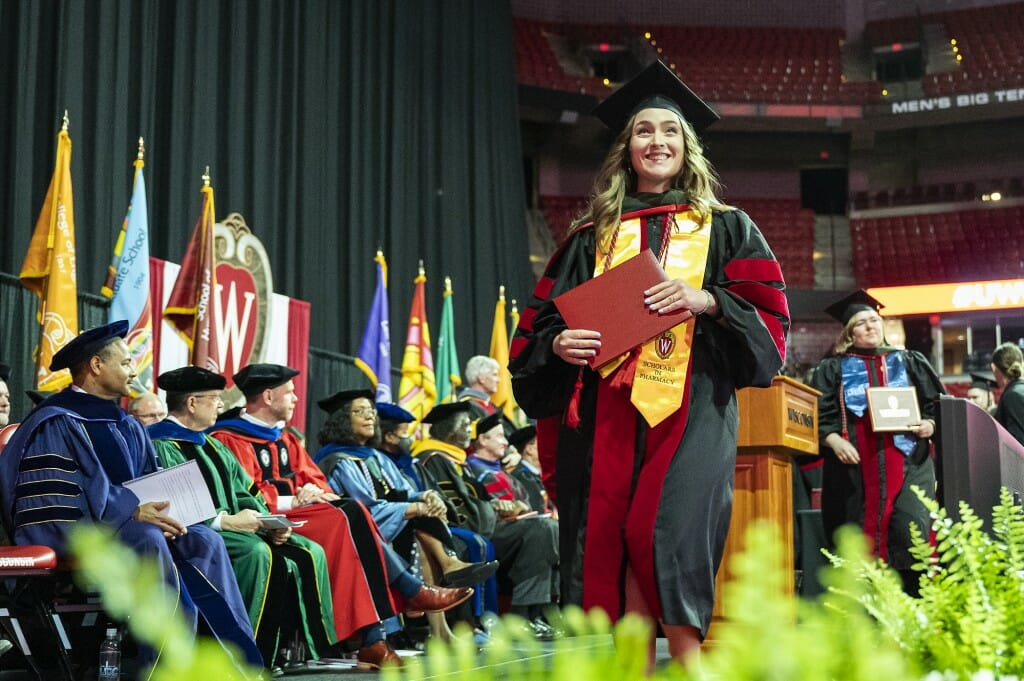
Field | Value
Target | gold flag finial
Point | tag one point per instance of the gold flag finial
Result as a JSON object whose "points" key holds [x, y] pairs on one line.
{"points": [[66, 121], [501, 292], [515, 306], [142, 148], [448, 284], [206, 177], [423, 272]]}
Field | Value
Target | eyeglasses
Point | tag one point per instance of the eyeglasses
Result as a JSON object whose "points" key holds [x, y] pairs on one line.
{"points": [[364, 411], [215, 398]]}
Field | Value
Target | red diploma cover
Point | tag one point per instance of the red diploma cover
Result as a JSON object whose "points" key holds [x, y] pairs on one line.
{"points": [[613, 304]]}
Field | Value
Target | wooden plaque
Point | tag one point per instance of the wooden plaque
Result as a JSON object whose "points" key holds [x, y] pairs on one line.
{"points": [[893, 410]]}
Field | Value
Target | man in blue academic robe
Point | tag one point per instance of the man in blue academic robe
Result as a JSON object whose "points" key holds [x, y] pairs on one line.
{"points": [[66, 464]]}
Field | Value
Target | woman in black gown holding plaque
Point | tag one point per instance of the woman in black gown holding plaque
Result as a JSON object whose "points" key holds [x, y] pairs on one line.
{"points": [[639, 454], [868, 476]]}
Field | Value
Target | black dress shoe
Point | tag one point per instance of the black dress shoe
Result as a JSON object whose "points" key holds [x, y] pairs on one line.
{"points": [[471, 574]]}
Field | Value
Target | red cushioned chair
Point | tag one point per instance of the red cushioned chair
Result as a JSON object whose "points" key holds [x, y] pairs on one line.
{"points": [[41, 611]]}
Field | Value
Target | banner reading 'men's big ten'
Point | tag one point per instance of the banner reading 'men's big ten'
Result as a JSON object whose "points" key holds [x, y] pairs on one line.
{"points": [[252, 323]]}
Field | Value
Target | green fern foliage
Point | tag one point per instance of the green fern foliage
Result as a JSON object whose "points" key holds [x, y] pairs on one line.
{"points": [[773, 637], [969, 617]]}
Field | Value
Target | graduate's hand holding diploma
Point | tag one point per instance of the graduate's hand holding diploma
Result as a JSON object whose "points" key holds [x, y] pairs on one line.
{"points": [[575, 346]]}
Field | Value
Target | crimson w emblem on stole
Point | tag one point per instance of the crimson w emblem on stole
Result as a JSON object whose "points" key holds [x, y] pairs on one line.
{"points": [[665, 344]]}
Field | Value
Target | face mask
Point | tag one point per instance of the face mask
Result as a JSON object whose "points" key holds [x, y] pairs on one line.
{"points": [[405, 444]]}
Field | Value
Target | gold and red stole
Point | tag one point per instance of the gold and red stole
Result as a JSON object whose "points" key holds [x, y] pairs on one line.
{"points": [[661, 365]]}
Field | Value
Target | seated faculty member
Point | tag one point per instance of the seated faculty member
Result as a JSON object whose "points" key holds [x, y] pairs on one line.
{"points": [[264, 559], [66, 464], [292, 484]]}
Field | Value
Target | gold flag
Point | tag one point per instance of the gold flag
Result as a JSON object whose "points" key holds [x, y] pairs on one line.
{"points": [[49, 269]]}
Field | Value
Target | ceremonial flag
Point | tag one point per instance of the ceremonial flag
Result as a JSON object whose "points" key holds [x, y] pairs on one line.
{"points": [[417, 391], [127, 283], [49, 269], [375, 350], [191, 306], [514, 314], [502, 398], [448, 377]]}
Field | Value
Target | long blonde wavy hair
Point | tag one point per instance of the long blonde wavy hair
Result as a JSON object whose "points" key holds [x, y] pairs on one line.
{"points": [[616, 179]]}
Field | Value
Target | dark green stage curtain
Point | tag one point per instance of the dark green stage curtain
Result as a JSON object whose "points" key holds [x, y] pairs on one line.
{"points": [[334, 127], [19, 335]]}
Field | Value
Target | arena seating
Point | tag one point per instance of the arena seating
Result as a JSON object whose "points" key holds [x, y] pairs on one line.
{"points": [[945, 192], [789, 65], [560, 211], [789, 230], [536, 63], [958, 245], [722, 64], [988, 38], [769, 65]]}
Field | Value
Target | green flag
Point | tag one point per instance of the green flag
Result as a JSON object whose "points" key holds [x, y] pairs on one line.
{"points": [[447, 371]]}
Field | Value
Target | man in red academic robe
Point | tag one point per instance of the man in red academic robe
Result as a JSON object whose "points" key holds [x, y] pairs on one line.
{"points": [[361, 565]]}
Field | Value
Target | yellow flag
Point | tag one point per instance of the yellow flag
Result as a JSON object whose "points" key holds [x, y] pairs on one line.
{"points": [[502, 398], [49, 270]]}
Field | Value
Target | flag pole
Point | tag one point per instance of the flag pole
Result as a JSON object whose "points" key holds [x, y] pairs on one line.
{"points": [[195, 317], [51, 237]]}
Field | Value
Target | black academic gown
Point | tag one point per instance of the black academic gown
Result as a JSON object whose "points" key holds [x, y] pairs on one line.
{"points": [[527, 550], [875, 493], [687, 496], [1010, 410]]}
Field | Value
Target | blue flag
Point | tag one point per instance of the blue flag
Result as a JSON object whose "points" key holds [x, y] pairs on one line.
{"points": [[375, 350], [127, 284]]}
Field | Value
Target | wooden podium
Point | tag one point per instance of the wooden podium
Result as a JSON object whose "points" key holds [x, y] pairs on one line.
{"points": [[775, 423]]}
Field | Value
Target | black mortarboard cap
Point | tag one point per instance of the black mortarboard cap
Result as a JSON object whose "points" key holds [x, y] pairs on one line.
{"points": [[392, 412], [858, 301], [88, 343], [333, 403], [256, 378], [444, 411], [38, 396], [657, 86], [190, 380], [483, 425], [5, 372], [983, 380], [520, 438]]}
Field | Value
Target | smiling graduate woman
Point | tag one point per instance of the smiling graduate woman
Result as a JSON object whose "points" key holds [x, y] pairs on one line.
{"points": [[641, 463]]}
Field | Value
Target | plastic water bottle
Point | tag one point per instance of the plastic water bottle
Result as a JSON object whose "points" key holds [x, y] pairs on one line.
{"points": [[110, 657]]}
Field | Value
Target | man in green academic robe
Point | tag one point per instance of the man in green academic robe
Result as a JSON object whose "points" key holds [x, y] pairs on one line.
{"points": [[282, 576]]}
